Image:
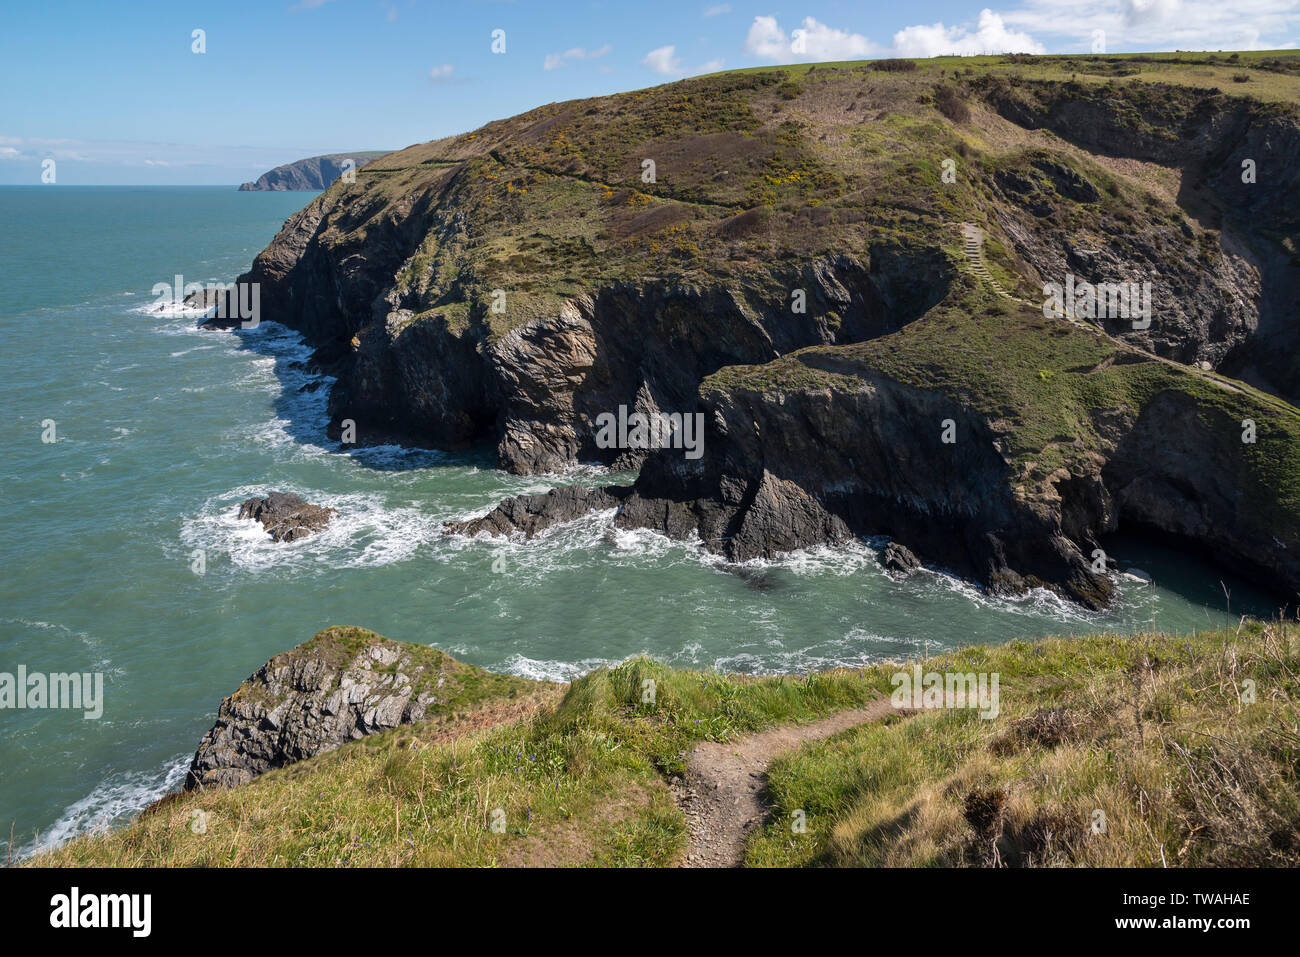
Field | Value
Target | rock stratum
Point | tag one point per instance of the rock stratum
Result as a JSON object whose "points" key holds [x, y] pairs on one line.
{"points": [[343, 684], [786, 252], [313, 173]]}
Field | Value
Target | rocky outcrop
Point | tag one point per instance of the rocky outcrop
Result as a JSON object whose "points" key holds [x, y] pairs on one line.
{"points": [[899, 560], [791, 276], [531, 514], [316, 172], [343, 684], [285, 516], [864, 454], [1204, 290], [869, 457]]}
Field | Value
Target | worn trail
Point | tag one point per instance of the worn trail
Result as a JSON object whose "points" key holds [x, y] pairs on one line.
{"points": [[721, 791], [973, 249]]}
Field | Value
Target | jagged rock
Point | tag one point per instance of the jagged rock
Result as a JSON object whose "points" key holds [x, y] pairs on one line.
{"points": [[782, 517], [531, 514], [899, 558], [341, 685], [287, 517], [502, 286]]}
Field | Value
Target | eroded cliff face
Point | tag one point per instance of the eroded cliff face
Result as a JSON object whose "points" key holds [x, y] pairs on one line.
{"points": [[1229, 268], [513, 284], [539, 388], [1201, 288]]}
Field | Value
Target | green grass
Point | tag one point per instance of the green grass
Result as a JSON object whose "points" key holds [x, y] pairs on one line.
{"points": [[1152, 730], [586, 776], [1185, 772]]}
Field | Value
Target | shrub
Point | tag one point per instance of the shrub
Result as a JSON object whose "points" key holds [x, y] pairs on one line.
{"points": [[951, 104], [894, 66]]}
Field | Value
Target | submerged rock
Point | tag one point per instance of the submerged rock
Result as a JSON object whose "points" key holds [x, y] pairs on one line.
{"points": [[287, 517], [341, 685]]}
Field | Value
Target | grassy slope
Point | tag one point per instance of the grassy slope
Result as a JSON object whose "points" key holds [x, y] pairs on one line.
{"points": [[780, 165], [584, 780], [1185, 771], [595, 761], [1208, 778]]}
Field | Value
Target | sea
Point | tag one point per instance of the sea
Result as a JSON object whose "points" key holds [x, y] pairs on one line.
{"points": [[130, 437]]}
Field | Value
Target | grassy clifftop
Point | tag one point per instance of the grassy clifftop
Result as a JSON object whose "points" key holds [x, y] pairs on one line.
{"points": [[1188, 747]]}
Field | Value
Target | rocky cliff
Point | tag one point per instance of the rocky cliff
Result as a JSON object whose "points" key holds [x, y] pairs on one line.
{"points": [[781, 252], [313, 173], [343, 684]]}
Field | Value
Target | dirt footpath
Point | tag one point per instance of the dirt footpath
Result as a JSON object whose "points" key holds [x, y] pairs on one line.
{"points": [[720, 793]]}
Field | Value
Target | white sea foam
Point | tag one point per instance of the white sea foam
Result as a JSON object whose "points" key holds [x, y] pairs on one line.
{"points": [[548, 670], [366, 532], [119, 796]]}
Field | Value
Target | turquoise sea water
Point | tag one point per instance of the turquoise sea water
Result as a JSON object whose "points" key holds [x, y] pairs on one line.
{"points": [[163, 429]]}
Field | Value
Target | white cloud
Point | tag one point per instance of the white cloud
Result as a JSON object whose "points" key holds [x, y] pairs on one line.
{"points": [[664, 61], [990, 36], [766, 39], [554, 61], [1037, 26], [441, 72], [1143, 11], [820, 42], [813, 40], [718, 11], [1137, 25]]}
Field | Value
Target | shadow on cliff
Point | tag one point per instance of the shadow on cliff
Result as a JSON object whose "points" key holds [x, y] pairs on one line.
{"points": [[302, 408], [1176, 566]]}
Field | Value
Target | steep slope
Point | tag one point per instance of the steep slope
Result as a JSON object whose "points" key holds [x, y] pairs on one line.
{"points": [[1151, 729], [313, 173], [783, 251]]}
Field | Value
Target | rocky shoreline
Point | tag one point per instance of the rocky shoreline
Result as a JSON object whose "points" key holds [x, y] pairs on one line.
{"points": [[853, 376]]}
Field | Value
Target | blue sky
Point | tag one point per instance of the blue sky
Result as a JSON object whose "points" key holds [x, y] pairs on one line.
{"points": [[115, 93]]}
